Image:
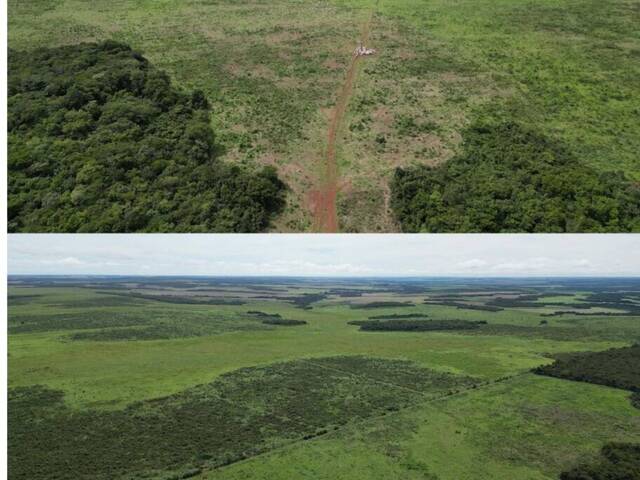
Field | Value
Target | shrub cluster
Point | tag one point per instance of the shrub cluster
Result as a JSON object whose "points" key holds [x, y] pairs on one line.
{"points": [[381, 305], [618, 461], [259, 314], [464, 306], [511, 179], [416, 325], [398, 315], [283, 321], [187, 300], [100, 141]]}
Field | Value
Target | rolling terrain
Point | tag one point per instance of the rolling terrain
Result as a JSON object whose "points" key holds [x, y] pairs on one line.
{"points": [[197, 377]]}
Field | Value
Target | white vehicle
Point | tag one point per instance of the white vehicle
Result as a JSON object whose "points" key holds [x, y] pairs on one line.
{"points": [[362, 50]]}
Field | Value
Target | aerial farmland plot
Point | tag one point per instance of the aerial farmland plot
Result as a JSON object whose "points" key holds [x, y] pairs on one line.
{"points": [[373, 116], [229, 378]]}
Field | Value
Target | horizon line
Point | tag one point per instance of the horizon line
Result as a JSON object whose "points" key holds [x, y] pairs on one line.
{"points": [[318, 276]]}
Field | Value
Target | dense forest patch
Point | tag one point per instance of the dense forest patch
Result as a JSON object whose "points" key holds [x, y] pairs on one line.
{"points": [[511, 179], [185, 300], [100, 141], [398, 315], [616, 367], [416, 325], [618, 461], [481, 327], [283, 322], [239, 415], [382, 305], [463, 306], [260, 314]]}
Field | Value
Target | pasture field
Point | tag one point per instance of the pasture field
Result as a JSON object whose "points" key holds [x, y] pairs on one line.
{"points": [[196, 377], [273, 72]]}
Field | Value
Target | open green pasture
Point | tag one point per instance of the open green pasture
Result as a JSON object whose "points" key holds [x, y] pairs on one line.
{"points": [[213, 389]]}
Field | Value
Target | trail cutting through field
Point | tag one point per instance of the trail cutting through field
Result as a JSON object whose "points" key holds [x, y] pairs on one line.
{"points": [[325, 218]]}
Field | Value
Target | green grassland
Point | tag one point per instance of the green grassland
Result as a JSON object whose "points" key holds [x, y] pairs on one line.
{"points": [[568, 70], [225, 395]]}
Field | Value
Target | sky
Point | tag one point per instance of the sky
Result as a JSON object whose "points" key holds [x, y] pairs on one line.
{"points": [[325, 255]]}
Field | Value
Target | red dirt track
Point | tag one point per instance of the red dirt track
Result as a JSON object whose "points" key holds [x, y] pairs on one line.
{"points": [[323, 200]]}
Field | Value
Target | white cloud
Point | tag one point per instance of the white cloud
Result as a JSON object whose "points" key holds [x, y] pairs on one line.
{"points": [[67, 261], [326, 255], [472, 264]]}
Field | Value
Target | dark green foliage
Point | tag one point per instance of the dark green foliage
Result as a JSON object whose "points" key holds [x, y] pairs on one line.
{"points": [[306, 299], [398, 315], [617, 301], [259, 314], [102, 301], [112, 324], [416, 325], [551, 333], [480, 327], [465, 306], [283, 322], [382, 305], [618, 461], [345, 292], [394, 372], [616, 367], [100, 141], [190, 300], [510, 179], [635, 399], [241, 414], [159, 331], [13, 300], [75, 321]]}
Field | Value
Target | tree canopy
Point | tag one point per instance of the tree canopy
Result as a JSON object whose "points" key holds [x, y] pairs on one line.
{"points": [[511, 179], [100, 141]]}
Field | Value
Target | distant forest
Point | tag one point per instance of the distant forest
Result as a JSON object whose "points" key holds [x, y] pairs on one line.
{"points": [[100, 141], [616, 367], [511, 179]]}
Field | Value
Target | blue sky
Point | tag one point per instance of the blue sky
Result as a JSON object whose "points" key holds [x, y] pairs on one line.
{"points": [[326, 255]]}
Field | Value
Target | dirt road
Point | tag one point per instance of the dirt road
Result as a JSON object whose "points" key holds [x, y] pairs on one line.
{"points": [[323, 199]]}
